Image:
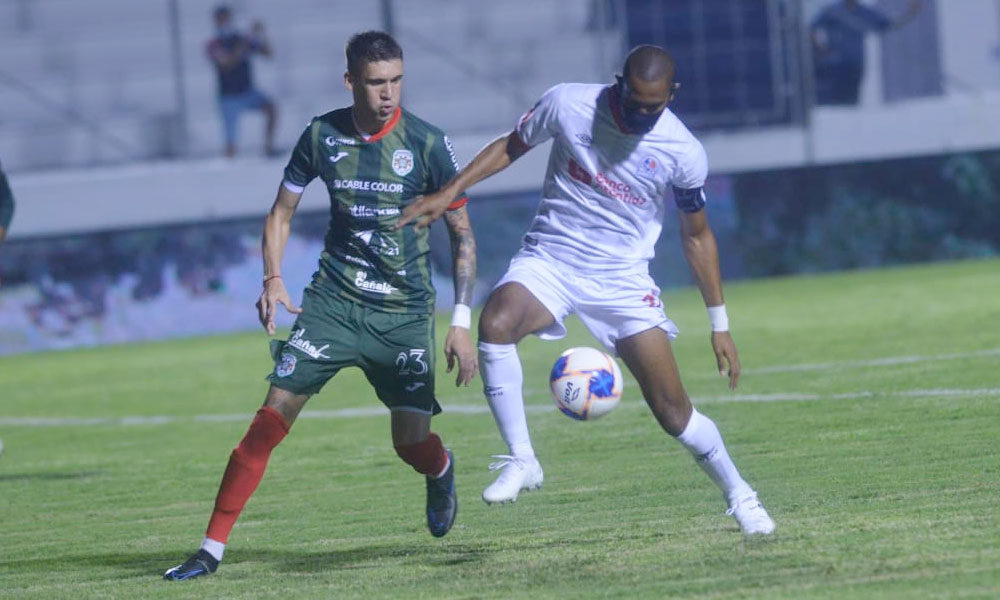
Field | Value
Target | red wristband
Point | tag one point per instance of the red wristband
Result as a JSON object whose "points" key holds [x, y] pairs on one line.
{"points": [[266, 279]]}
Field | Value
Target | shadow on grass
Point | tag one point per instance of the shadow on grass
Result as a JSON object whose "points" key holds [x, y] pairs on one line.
{"points": [[47, 476], [368, 557], [372, 557]]}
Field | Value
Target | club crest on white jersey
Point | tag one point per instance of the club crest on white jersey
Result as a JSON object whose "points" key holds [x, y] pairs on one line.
{"points": [[648, 168]]}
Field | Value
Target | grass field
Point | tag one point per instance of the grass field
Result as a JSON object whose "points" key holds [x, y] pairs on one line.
{"points": [[868, 418]]}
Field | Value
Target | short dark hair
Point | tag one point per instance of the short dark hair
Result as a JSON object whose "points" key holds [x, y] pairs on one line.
{"points": [[370, 46], [222, 10]]}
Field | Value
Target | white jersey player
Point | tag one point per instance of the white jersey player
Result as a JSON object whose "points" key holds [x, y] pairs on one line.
{"points": [[619, 159]]}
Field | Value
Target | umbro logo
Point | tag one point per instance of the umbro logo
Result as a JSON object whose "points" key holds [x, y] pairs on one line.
{"points": [[414, 386], [707, 456], [337, 156]]}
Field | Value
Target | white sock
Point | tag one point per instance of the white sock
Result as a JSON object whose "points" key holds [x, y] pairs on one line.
{"points": [[701, 437], [502, 380], [216, 549]]}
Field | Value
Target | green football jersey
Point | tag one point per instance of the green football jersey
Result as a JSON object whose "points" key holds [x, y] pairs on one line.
{"points": [[370, 181]]}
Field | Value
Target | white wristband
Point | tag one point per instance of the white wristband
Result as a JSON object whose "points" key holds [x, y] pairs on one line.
{"points": [[718, 317], [462, 317]]}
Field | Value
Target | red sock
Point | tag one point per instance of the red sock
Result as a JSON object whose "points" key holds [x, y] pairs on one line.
{"points": [[246, 467], [427, 457]]}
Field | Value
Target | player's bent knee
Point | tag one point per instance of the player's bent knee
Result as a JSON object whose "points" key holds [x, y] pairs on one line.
{"points": [[497, 328], [287, 404]]}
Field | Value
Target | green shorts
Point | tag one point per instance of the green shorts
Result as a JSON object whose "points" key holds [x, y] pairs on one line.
{"points": [[395, 351]]}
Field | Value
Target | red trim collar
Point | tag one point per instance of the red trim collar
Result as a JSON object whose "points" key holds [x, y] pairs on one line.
{"points": [[381, 133]]}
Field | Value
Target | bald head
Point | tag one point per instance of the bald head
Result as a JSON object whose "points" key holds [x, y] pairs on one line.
{"points": [[649, 63]]}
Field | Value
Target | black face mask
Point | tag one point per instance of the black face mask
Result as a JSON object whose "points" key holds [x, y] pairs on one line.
{"points": [[636, 121]]}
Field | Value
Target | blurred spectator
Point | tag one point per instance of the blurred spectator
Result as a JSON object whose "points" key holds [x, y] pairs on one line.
{"points": [[602, 15], [6, 205], [838, 36], [230, 52]]}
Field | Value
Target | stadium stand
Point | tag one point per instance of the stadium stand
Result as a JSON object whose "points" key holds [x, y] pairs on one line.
{"points": [[96, 81]]}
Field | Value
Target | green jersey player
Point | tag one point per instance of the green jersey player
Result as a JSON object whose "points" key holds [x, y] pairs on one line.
{"points": [[370, 304]]}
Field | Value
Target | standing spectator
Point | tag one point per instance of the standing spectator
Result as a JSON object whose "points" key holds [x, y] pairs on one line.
{"points": [[6, 205], [602, 15], [838, 36], [230, 52]]}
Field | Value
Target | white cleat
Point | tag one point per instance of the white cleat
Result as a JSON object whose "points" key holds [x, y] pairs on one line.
{"points": [[518, 474], [750, 514]]}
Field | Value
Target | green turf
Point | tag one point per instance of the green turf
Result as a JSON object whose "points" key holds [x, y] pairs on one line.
{"points": [[881, 486]]}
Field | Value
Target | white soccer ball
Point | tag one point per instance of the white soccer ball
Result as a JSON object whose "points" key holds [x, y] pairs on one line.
{"points": [[585, 383]]}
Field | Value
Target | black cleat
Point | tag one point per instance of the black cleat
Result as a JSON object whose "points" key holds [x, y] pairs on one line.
{"points": [[442, 503], [200, 563]]}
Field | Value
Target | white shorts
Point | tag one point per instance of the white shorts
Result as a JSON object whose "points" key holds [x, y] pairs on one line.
{"points": [[612, 307]]}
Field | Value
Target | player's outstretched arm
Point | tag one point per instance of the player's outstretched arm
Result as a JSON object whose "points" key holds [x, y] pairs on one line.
{"points": [[277, 227], [458, 344], [702, 255], [495, 157]]}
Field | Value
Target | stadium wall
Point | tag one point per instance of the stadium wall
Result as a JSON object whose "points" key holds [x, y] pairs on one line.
{"points": [[118, 278]]}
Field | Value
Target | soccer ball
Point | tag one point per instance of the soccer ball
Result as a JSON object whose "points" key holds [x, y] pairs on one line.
{"points": [[585, 383]]}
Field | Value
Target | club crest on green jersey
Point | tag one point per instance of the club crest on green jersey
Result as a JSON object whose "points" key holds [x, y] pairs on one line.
{"points": [[402, 162]]}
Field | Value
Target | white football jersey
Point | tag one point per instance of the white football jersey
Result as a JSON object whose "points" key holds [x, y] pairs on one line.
{"points": [[606, 191]]}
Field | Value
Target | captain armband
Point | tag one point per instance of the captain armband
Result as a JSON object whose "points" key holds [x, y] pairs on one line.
{"points": [[689, 200]]}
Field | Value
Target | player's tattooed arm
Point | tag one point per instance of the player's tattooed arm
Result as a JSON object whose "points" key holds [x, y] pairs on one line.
{"points": [[463, 253], [458, 344]]}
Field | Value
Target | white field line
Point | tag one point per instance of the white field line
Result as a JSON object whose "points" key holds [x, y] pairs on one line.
{"points": [[875, 362], [482, 408]]}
